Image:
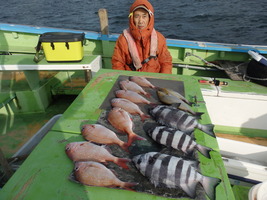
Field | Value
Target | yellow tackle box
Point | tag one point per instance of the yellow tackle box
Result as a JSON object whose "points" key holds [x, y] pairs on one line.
{"points": [[61, 46]]}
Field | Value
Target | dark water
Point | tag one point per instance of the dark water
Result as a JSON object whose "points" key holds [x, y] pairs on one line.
{"points": [[228, 21]]}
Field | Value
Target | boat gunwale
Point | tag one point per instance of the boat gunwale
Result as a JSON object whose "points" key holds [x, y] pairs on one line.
{"points": [[114, 36]]}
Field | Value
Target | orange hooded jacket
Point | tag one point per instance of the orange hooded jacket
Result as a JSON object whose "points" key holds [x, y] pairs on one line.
{"points": [[121, 58]]}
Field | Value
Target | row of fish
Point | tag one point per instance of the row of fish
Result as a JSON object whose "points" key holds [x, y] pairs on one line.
{"points": [[90, 156], [176, 122]]}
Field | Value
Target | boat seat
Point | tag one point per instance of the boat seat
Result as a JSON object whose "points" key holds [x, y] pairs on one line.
{"points": [[26, 62]]}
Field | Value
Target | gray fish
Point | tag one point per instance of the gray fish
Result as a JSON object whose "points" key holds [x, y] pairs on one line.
{"points": [[178, 119], [172, 172], [176, 94], [176, 139], [170, 99]]}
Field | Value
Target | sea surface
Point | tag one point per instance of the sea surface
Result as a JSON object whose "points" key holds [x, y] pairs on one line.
{"points": [[227, 21]]}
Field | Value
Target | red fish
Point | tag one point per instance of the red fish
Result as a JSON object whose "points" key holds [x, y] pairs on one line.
{"points": [[130, 85], [142, 81], [87, 151], [129, 106], [132, 96], [121, 120], [96, 174], [102, 135]]}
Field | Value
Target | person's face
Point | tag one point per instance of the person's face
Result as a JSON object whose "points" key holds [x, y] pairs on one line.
{"points": [[141, 18]]}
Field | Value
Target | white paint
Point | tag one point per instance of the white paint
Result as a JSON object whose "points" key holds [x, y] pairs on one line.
{"points": [[237, 110], [252, 153], [94, 66], [244, 159]]}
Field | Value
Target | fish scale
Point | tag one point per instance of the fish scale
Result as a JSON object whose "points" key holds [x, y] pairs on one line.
{"points": [[174, 172], [178, 119], [176, 139]]}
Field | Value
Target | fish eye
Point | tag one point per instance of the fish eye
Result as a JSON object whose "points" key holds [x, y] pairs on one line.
{"points": [[139, 161], [76, 168]]}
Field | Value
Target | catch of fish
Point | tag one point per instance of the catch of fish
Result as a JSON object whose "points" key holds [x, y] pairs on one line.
{"points": [[175, 122]]}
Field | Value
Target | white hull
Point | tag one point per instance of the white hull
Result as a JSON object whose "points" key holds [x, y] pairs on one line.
{"points": [[244, 161], [232, 109]]}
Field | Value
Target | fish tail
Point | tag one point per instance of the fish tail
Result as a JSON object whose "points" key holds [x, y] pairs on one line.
{"points": [[209, 184], [147, 95], [204, 150], [134, 137], [153, 104], [128, 185], [198, 115], [124, 146], [144, 117], [208, 128], [122, 162]]}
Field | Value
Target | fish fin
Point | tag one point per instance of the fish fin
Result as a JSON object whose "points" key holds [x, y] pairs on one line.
{"points": [[125, 146], [134, 137], [128, 186], [107, 148], [209, 184], [193, 163], [208, 128], [148, 95], [154, 104], [122, 162], [190, 190], [204, 150], [144, 117], [176, 105], [198, 115]]}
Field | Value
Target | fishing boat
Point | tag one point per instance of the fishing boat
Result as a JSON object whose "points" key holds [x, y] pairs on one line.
{"points": [[234, 97]]}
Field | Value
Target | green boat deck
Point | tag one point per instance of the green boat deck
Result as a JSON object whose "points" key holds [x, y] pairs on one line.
{"points": [[45, 173]]}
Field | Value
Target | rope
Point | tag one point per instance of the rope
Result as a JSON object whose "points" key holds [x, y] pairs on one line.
{"points": [[206, 62], [245, 77]]}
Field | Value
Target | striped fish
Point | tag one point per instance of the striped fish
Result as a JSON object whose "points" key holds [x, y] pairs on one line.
{"points": [[172, 172], [176, 139], [178, 119]]}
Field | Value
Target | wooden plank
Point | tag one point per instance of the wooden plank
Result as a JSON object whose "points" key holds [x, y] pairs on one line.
{"points": [[103, 17]]}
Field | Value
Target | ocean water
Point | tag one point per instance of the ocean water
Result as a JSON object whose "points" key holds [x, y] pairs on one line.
{"points": [[228, 21]]}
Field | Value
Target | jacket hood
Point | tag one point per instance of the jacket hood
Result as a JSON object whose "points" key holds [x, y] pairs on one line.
{"points": [[133, 29]]}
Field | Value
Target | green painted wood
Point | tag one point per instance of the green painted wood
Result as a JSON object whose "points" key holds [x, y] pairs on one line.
{"points": [[249, 132]]}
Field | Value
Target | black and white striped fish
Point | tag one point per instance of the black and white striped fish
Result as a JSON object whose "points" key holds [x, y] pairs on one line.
{"points": [[178, 119], [176, 139], [172, 172]]}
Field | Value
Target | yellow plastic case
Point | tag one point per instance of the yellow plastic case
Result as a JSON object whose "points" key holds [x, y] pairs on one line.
{"points": [[62, 46]]}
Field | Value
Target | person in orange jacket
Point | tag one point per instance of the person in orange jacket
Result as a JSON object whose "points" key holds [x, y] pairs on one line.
{"points": [[141, 47]]}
